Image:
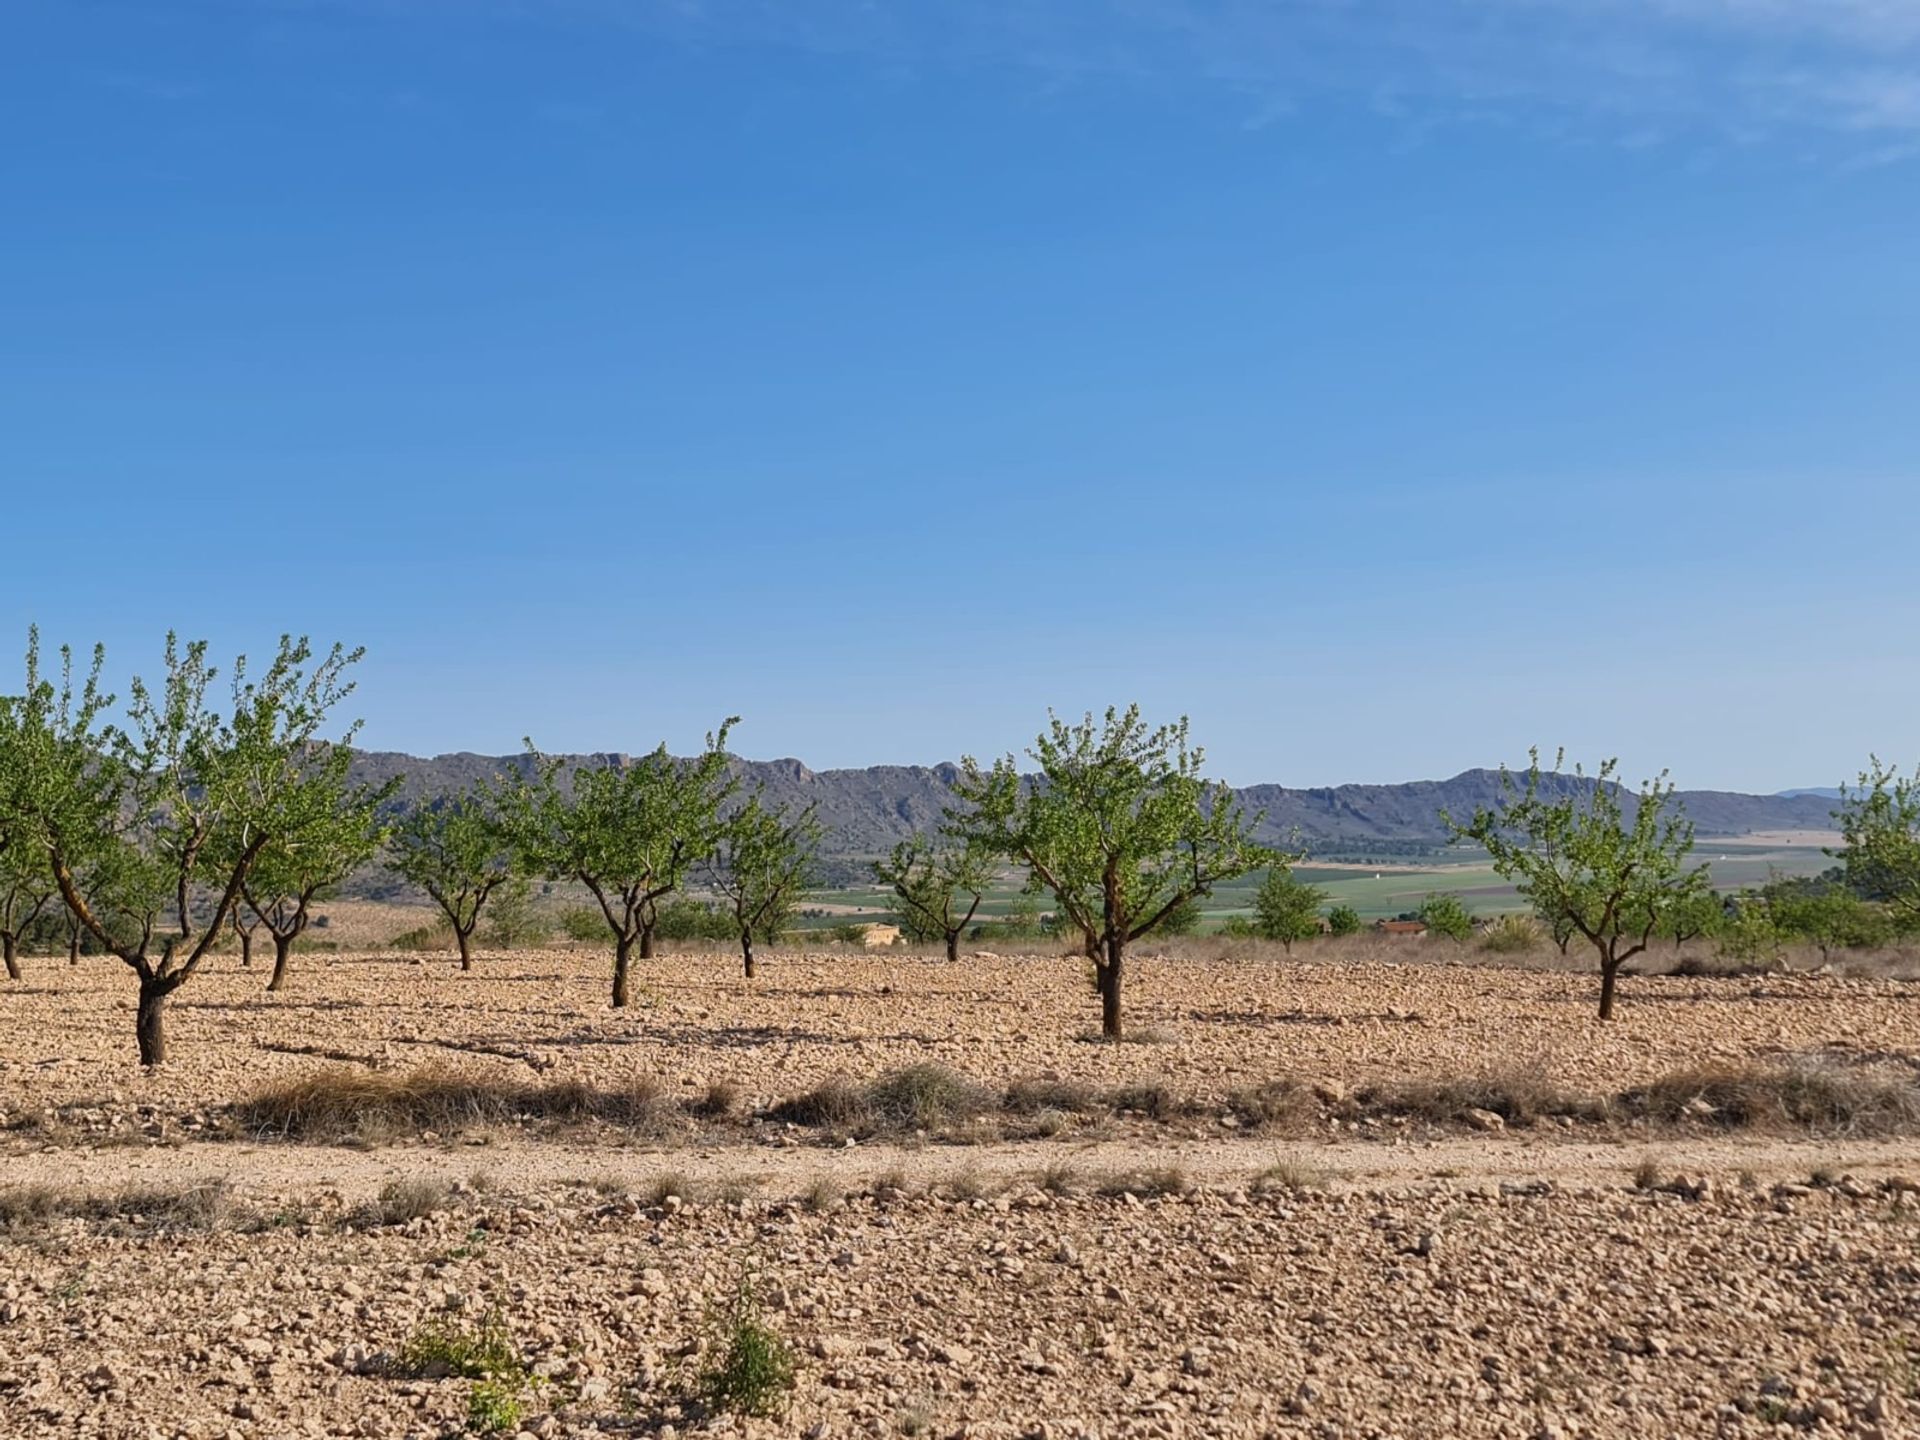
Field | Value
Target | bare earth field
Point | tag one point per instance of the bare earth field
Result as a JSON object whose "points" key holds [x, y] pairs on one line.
{"points": [[1338, 1197]]}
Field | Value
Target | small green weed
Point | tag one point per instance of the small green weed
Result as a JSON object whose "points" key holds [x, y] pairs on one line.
{"points": [[443, 1346], [747, 1368]]}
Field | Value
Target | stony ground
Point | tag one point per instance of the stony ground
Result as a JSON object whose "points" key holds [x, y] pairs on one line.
{"points": [[1214, 1024], [1150, 1280]]}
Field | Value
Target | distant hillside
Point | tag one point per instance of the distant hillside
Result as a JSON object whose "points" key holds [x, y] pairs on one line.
{"points": [[1824, 792], [866, 811]]}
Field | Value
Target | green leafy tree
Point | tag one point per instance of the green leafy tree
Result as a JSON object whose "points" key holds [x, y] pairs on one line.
{"points": [[153, 828], [763, 862], [336, 828], [1285, 909], [1828, 917], [26, 877], [630, 832], [26, 888], [1879, 821], [1445, 914], [1580, 860], [1752, 932], [939, 889], [516, 920], [245, 925], [1693, 917], [1184, 919], [1119, 827], [457, 850], [1344, 920]]}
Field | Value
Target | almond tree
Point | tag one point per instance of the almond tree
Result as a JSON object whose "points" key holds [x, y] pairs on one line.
{"points": [[1879, 823], [457, 850], [26, 879], [761, 864], [337, 829], [26, 885], [1584, 865], [932, 883], [244, 923], [1118, 825], [151, 830], [629, 831]]}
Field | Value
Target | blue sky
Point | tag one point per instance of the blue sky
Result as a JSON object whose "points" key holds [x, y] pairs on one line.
{"points": [[1388, 385]]}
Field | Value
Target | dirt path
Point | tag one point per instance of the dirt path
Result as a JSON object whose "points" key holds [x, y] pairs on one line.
{"points": [[287, 1170]]}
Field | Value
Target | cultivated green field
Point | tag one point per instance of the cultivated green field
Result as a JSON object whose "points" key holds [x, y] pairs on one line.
{"points": [[1377, 893]]}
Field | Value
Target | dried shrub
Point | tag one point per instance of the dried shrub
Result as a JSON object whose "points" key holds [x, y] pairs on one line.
{"points": [[926, 1097], [1803, 1098], [345, 1101], [1274, 1104]]}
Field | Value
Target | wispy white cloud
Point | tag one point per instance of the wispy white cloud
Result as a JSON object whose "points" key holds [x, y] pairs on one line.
{"points": [[1628, 71], [1644, 69]]}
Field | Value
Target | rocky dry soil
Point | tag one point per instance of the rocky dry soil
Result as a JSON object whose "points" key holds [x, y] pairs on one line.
{"points": [[164, 1273], [1215, 1024], [1441, 1308]]}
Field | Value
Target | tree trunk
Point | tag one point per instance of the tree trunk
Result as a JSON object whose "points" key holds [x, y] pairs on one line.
{"points": [[464, 939], [1608, 970], [1109, 973], [646, 943], [246, 950], [746, 951], [953, 946], [282, 948], [622, 962], [10, 949], [73, 945], [149, 1022]]}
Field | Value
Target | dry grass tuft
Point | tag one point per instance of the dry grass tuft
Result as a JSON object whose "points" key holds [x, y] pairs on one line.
{"points": [[1274, 1104], [204, 1206], [1289, 1177], [373, 1105], [1795, 1099], [1519, 1100], [926, 1097], [400, 1201]]}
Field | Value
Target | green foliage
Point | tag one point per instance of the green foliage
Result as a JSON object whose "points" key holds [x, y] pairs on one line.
{"points": [[683, 919], [442, 1346], [630, 831], [1286, 910], [1696, 915], [1581, 862], [335, 829], [1829, 917], [747, 1368], [495, 1407], [152, 826], [516, 919], [582, 923], [1879, 823], [457, 851], [761, 865], [939, 889], [1344, 920], [1446, 914], [1119, 827], [1183, 919], [1751, 933]]}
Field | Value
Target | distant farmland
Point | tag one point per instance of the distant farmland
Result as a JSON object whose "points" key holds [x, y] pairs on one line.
{"points": [[1380, 892]]}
